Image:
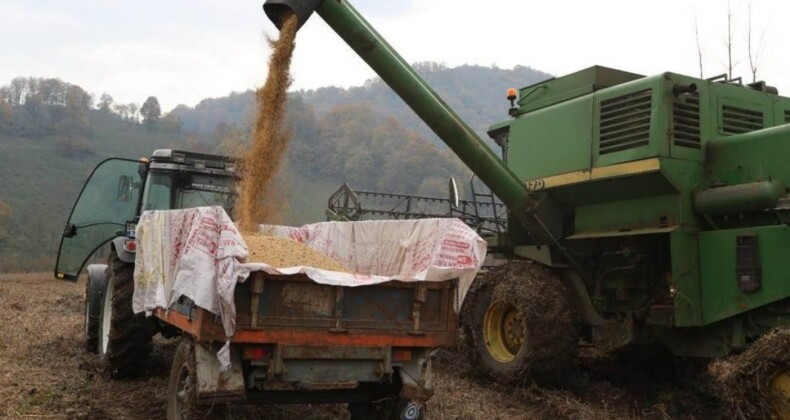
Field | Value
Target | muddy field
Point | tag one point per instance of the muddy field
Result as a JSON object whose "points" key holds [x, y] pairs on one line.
{"points": [[45, 373]]}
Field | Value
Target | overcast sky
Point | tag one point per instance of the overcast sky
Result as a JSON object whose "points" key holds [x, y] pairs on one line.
{"points": [[185, 50]]}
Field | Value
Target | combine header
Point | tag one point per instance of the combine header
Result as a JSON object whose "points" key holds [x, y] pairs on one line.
{"points": [[484, 213]]}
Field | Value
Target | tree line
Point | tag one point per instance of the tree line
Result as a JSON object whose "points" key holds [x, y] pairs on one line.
{"points": [[32, 107], [357, 137]]}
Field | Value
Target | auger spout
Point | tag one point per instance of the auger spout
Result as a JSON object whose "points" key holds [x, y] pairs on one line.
{"points": [[539, 214]]}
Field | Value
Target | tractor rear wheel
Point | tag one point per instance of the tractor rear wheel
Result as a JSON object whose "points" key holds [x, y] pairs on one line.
{"points": [[125, 337], [520, 325]]}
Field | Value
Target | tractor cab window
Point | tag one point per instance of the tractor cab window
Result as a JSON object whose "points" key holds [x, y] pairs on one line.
{"points": [[182, 190], [157, 191], [199, 190]]}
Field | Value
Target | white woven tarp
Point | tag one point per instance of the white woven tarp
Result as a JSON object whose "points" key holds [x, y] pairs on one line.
{"points": [[199, 253]]}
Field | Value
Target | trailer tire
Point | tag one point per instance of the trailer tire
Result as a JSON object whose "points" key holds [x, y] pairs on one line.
{"points": [[125, 337], [94, 286], [182, 403], [390, 409], [522, 325]]}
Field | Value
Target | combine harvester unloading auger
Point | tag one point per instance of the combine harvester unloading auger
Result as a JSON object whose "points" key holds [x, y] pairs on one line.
{"points": [[642, 210]]}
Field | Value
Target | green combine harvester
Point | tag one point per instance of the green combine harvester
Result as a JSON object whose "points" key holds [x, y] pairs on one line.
{"points": [[641, 209]]}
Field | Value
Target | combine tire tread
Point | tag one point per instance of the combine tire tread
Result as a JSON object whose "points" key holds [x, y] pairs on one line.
{"points": [[552, 332]]}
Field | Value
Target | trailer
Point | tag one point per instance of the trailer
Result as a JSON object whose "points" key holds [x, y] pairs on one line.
{"points": [[251, 332]]}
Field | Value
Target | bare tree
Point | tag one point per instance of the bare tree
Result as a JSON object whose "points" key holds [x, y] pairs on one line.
{"points": [[17, 90], [729, 40], [133, 108], [755, 52], [699, 46], [122, 110]]}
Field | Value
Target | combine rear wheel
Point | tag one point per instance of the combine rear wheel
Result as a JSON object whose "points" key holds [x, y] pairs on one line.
{"points": [[756, 382], [125, 338], [780, 391], [520, 325]]}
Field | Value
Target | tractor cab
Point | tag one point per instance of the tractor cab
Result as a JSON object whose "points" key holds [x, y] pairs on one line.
{"points": [[119, 190]]}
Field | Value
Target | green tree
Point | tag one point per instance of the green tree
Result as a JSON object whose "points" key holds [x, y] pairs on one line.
{"points": [[6, 115], [151, 112], [105, 103], [170, 124]]}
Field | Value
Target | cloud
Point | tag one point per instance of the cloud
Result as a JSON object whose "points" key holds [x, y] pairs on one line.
{"points": [[183, 51], [384, 8], [17, 15]]}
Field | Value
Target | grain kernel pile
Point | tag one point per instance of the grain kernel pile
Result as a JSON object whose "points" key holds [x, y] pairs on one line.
{"points": [[283, 252]]}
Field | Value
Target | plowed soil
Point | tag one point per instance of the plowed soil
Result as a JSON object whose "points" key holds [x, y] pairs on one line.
{"points": [[45, 373]]}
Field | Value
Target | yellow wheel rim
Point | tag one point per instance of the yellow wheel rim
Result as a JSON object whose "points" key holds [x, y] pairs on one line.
{"points": [[504, 330], [780, 389]]}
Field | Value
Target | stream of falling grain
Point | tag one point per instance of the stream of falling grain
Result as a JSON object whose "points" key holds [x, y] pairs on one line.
{"points": [[270, 138]]}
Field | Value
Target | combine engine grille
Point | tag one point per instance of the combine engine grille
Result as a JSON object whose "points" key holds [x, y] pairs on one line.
{"points": [[685, 122], [736, 120], [787, 116], [625, 122]]}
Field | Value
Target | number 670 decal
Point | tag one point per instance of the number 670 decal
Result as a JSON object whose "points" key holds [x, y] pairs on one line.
{"points": [[536, 184]]}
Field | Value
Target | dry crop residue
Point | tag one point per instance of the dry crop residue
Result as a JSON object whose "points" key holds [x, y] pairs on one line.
{"points": [[270, 139], [284, 252], [46, 373]]}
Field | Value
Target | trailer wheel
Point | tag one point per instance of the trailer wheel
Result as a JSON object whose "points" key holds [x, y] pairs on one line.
{"points": [[125, 337], [93, 301], [522, 325], [389, 409], [182, 403]]}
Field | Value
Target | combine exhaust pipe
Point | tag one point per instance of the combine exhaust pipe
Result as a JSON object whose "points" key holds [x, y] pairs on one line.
{"points": [[538, 213]]}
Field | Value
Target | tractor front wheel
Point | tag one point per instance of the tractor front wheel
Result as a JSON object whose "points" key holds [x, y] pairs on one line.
{"points": [[94, 287]]}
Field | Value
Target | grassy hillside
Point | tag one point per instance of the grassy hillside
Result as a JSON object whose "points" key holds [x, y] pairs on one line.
{"points": [[41, 182], [476, 93], [52, 136]]}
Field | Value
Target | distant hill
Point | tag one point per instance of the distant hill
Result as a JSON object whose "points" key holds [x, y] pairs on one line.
{"points": [[52, 135], [476, 93]]}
